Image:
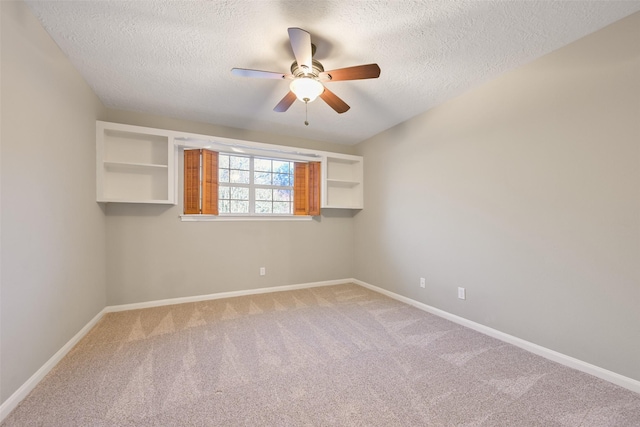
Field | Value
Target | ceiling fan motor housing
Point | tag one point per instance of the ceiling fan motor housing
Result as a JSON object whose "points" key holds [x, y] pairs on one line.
{"points": [[298, 71]]}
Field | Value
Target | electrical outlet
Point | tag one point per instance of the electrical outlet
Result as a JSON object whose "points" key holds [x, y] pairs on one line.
{"points": [[423, 282], [263, 271], [462, 294]]}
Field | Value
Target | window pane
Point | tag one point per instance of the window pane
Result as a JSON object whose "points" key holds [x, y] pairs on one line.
{"points": [[239, 207], [223, 206], [239, 177], [223, 192], [282, 207], [263, 207], [281, 167], [264, 194], [262, 165], [239, 162], [265, 185], [262, 178], [282, 195], [283, 180], [240, 193]]}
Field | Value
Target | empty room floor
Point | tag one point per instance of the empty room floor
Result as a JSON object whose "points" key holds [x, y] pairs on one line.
{"points": [[335, 355]]}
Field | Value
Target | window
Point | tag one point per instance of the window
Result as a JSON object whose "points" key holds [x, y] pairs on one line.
{"points": [[254, 185], [229, 184]]}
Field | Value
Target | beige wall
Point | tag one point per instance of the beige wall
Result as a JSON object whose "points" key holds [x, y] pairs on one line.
{"points": [[152, 255], [53, 232], [526, 192]]}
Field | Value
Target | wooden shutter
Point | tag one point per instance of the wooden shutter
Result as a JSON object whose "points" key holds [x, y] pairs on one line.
{"points": [[301, 189], [192, 182], [314, 188], [194, 188], [306, 188], [209, 182]]}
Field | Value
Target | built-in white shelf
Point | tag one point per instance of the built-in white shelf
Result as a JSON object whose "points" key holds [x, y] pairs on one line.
{"points": [[134, 164], [138, 165], [342, 181]]}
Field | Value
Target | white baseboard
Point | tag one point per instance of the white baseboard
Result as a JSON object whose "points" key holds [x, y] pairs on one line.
{"points": [[220, 295], [596, 371], [13, 400]]}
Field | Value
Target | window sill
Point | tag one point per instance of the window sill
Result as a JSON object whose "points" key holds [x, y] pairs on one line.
{"points": [[196, 218]]}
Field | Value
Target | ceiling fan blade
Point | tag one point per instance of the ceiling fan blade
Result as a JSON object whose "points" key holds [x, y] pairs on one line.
{"points": [[369, 71], [285, 102], [243, 72], [334, 102], [301, 45]]}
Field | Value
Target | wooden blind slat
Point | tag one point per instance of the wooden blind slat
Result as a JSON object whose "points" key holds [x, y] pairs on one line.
{"points": [[314, 188], [301, 189], [192, 182], [209, 182]]}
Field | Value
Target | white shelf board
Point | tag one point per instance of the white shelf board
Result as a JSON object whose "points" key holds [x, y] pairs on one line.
{"points": [[342, 183], [341, 207], [156, 202], [342, 160], [132, 165]]}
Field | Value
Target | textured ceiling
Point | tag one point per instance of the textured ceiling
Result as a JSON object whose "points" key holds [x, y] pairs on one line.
{"points": [[173, 58]]}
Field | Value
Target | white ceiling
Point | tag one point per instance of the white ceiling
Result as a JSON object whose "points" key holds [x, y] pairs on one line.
{"points": [[174, 58]]}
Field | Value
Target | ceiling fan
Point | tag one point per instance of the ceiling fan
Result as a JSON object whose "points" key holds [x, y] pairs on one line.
{"points": [[308, 75]]}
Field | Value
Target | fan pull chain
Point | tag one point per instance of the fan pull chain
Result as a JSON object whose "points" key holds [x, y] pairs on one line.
{"points": [[306, 113]]}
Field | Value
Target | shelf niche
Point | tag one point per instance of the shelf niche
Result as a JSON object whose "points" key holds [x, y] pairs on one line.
{"points": [[343, 187], [134, 164]]}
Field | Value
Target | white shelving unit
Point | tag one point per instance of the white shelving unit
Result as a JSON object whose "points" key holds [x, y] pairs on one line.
{"points": [[138, 165], [342, 181], [134, 164]]}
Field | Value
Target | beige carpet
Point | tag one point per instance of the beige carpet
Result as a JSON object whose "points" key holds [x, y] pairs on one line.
{"points": [[336, 355]]}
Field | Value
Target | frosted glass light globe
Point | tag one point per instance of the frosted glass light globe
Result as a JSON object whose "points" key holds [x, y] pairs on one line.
{"points": [[306, 89]]}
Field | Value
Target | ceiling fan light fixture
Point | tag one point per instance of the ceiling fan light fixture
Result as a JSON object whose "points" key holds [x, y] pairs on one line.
{"points": [[306, 89]]}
